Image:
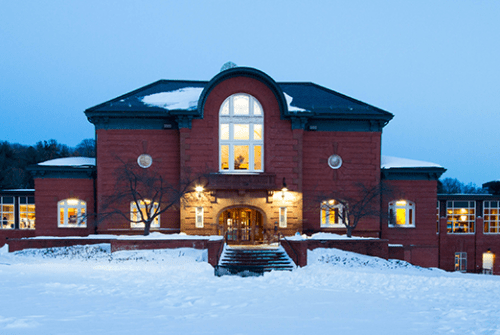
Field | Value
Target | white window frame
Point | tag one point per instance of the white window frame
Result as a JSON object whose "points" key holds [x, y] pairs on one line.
{"points": [[491, 216], [283, 217], [81, 209], [461, 261], [199, 217], [326, 208], [7, 217], [409, 210], [251, 120], [461, 219], [135, 216], [26, 217]]}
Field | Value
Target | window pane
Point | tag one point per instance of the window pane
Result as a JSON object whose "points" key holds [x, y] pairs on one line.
{"points": [[224, 131], [224, 157], [225, 108], [241, 131], [256, 109], [61, 217], [257, 132], [72, 216], [257, 153], [401, 216], [241, 157], [241, 105]]}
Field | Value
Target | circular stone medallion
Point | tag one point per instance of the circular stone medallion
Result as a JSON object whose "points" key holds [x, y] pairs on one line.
{"points": [[334, 161], [144, 161]]}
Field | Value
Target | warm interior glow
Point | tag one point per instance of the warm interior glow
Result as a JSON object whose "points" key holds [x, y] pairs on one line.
{"points": [[401, 203], [199, 189], [463, 217], [72, 201]]}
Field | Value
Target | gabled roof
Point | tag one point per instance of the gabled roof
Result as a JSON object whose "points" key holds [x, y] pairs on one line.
{"points": [[304, 100]]}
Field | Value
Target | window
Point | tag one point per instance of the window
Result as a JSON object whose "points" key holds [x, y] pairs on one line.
{"points": [[460, 216], [26, 212], [461, 261], [488, 262], [199, 217], [137, 218], [282, 219], [241, 135], [401, 213], [491, 215], [71, 213], [7, 212], [331, 210]]}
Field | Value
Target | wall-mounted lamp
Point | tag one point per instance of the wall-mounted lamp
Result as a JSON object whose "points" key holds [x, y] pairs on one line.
{"points": [[198, 190], [284, 189]]}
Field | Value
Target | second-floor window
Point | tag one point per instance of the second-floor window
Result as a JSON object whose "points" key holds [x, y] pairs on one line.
{"points": [[241, 135]]}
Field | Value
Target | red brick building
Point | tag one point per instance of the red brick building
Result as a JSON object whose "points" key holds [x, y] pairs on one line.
{"points": [[266, 157]]}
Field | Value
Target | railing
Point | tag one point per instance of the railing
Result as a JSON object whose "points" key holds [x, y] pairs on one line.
{"points": [[280, 235]]}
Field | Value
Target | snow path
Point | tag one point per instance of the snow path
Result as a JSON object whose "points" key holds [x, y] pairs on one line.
{"points": [[175, 292]]}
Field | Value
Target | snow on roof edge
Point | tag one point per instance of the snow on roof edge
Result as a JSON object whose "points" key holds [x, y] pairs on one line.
{"points": [[389, 162], [69, 161]]}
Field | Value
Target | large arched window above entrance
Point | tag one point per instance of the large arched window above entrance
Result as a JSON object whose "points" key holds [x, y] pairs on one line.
{"points": [[241, 135]]}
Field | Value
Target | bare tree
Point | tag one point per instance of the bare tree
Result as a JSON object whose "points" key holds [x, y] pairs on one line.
{"points": [[365, 202], [147, 191]]}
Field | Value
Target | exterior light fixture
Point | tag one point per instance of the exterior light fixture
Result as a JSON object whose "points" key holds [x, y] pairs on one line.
{"points": [[284, 189], [198, 190]]}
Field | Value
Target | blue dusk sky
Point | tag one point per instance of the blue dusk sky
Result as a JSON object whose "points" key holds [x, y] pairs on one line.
{"points": [[434, 64]]}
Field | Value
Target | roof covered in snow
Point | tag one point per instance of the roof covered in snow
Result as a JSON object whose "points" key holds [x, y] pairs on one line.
{"points": [[389, 162], [70, 161], [171, 98], [395, 168]]}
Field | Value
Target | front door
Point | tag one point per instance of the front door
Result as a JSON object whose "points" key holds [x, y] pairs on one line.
{"points": [[242, 226]]}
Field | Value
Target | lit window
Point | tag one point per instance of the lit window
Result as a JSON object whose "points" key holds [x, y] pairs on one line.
{"points": [[71, 213], [139, 216], [331, 211], [26, 213], [241, 137], [461, 261], [199, 217], [401, 213], [282, 219], [491, 215], [488, 262], [461, 216], [7, 212]]}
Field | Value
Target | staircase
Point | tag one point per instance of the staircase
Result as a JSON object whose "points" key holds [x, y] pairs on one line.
{"points": [[248, 262]]}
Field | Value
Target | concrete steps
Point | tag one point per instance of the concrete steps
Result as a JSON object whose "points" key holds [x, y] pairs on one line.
{"points": [[253, 261]]}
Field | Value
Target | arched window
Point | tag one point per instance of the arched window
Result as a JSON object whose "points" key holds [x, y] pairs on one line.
{"points": [[71, 213], [331, 214], [401, 213], [241, 135], [137, 220]]}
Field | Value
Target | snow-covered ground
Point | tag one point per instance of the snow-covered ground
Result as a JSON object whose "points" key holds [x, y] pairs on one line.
{"points": [[88, 290]]}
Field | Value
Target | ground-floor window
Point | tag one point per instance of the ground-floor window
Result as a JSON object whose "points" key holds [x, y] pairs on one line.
{"points": [[488, 262], [461, 261], [199, 217], [7, 212], [282, 219], [461, 216], [491, 211], [26, 213], [331, 210], [138, 216], [401, 213], [72, 213]]}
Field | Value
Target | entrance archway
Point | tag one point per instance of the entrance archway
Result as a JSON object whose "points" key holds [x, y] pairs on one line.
{"points": [[242, 225]]}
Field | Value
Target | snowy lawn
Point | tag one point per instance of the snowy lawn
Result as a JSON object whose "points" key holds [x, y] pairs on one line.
{"points": [[87, 290]]}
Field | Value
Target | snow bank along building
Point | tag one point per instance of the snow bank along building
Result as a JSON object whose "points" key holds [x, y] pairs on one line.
{"points": [[270, 157]]}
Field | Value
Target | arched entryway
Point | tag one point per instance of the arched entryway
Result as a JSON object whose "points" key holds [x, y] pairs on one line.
{"points": [[242, 225]]}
